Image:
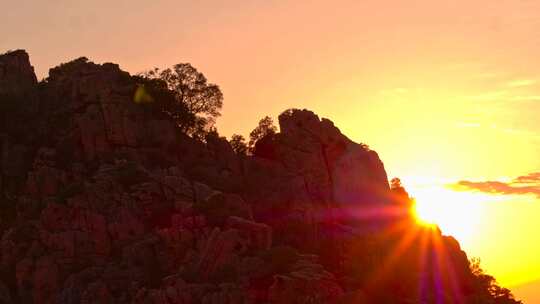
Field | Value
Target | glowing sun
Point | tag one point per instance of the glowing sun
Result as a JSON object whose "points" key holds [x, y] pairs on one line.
{"points": [[456, 213]]}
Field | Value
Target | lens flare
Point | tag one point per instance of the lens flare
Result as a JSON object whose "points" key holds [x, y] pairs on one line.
{"points": [[456, 213]]}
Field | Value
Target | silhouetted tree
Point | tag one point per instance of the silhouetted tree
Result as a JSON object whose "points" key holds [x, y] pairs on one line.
{"points": [[156, 97], [490, 291], [365, 146], [238, 143], [399, 193], [397, 187], [211, 134], [266, 127], [192, 93], [395, 183]]}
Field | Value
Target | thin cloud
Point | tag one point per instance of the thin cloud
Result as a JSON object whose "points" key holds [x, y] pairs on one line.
{"points": [[487, 75], [526, 98], [488, 96], [529, 178], [521, 83], [522, 185]]}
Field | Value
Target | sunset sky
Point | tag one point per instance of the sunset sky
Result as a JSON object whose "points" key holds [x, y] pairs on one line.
{"points": [[447, 92]]}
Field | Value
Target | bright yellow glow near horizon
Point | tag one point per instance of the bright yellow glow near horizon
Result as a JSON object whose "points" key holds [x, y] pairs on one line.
{"points": [[480, 222], [456, 213]]}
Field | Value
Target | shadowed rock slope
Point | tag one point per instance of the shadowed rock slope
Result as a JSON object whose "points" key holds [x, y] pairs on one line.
{"points": [[103, 200]]}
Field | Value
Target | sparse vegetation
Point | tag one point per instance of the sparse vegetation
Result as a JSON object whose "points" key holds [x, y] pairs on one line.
{"points": [[238, 143], [488, 288], [264, 128]]}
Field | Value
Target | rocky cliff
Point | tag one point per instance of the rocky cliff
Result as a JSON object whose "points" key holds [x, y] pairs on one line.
{"points": [[104, 200], [15, 72]]}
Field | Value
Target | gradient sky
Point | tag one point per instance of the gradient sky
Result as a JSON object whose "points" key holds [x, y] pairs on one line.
{"points": [[443, 90]]}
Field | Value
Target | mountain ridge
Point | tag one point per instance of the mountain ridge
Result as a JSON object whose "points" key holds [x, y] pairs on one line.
{"points": [[104, 200]]}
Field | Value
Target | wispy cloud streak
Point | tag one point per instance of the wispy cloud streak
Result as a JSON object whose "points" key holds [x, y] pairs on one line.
{"points": [[521, 185], [521, 83]]}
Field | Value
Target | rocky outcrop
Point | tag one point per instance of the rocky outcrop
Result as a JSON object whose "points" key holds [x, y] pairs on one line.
{"points": [[311, 179], [17, 105], [16, 73], [335, 169], [103, 118]]}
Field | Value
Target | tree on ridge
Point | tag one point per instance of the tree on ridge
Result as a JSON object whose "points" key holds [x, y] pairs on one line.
{"points": [[196, 103], [265, 127]]}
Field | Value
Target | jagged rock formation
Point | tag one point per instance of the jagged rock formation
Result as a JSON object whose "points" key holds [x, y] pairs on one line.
{"points": [[15, 72], [105, 201]]}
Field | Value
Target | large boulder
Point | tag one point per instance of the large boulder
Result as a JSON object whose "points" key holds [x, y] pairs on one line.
{"points": [[310, 178], [92, 107], [335, 170]]}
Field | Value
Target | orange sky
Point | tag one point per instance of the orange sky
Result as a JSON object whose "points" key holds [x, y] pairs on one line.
{"points": [[443, 90]]}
